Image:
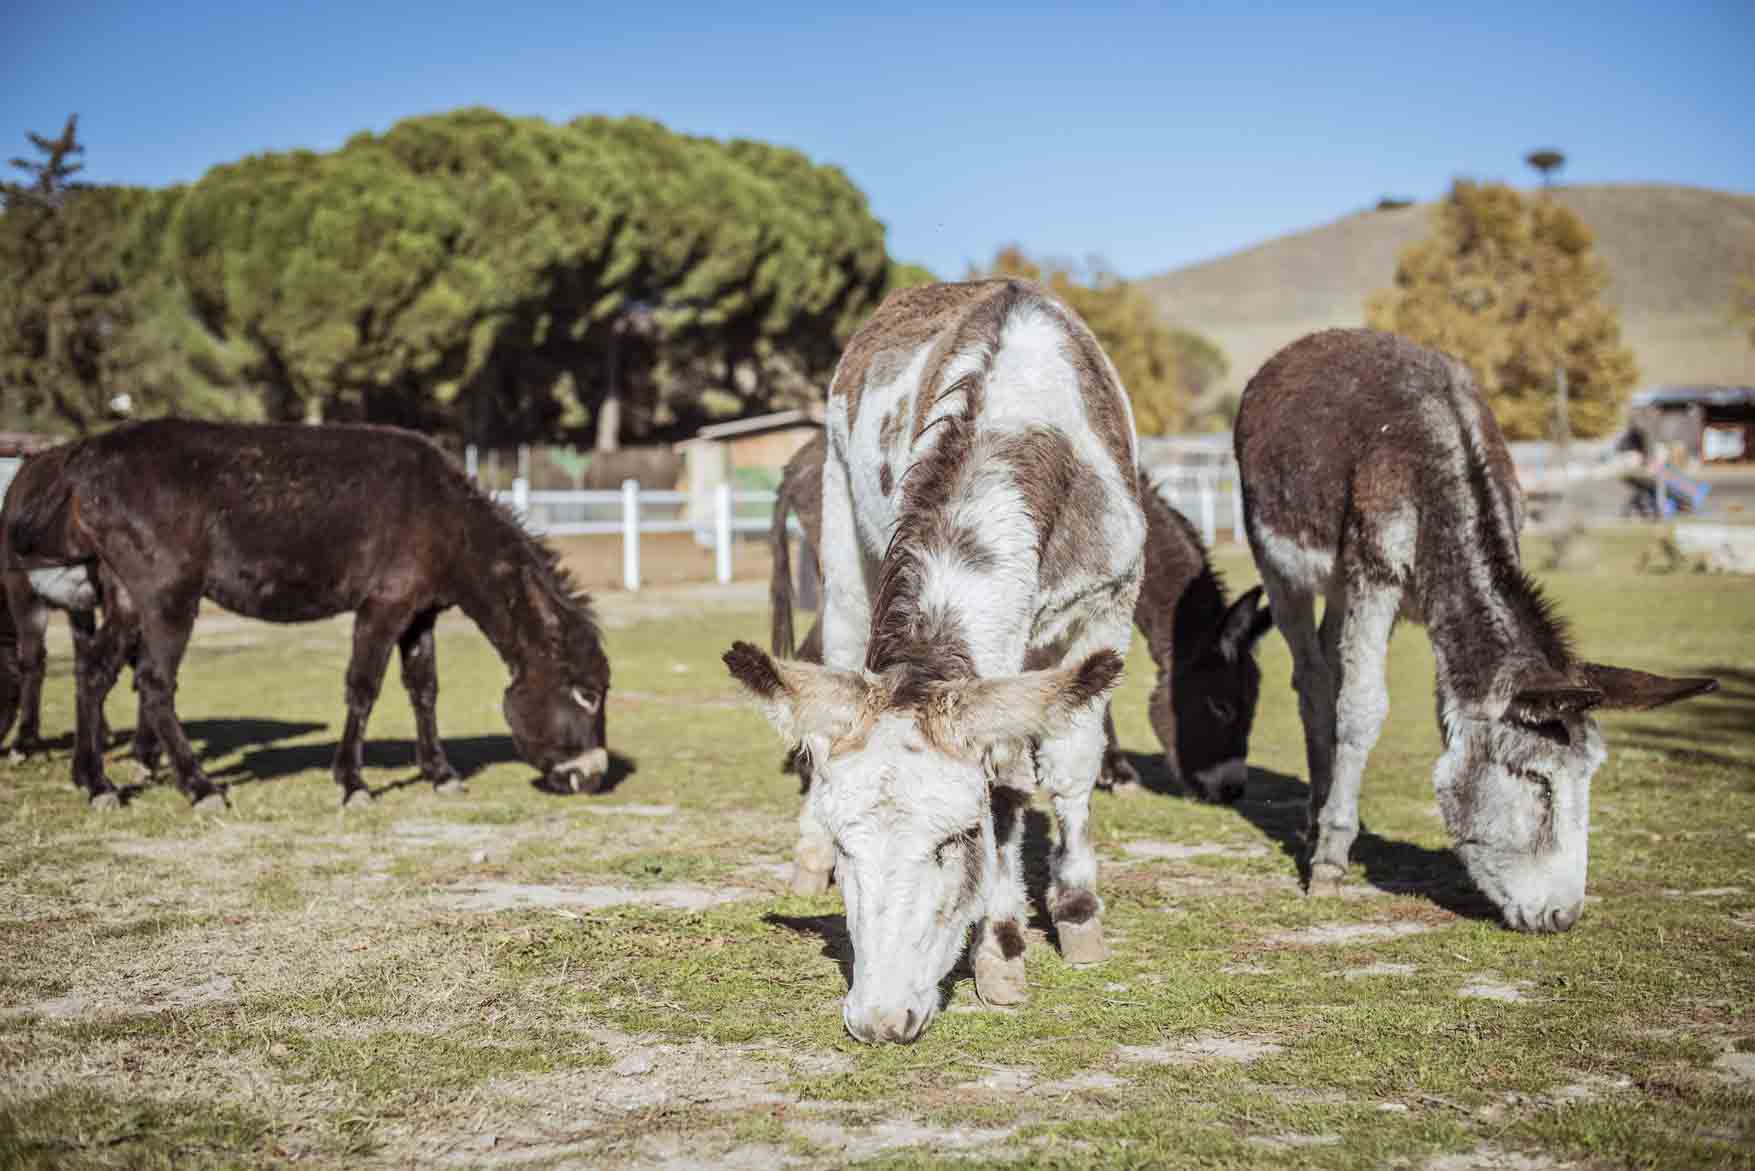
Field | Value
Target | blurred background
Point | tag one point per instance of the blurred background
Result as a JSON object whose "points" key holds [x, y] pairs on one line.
{"points": [[583, 244]]}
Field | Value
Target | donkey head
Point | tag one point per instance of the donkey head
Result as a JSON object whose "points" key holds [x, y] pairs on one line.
{"points": [[557, 719], [1514, 785], [1202, 708], [900, 769]]}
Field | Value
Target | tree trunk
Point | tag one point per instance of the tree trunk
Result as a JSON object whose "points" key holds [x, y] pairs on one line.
{"points": [[609, 412]]}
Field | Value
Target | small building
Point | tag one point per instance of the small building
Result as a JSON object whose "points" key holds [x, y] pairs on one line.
{"points": [[747, 453], [1713, 424]]}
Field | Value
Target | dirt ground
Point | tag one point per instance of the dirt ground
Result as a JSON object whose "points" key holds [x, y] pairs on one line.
{"points": [[510, 979]]}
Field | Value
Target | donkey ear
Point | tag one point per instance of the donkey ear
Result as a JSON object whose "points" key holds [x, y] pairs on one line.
{"points": [[1637, 691], [800, 699], [1244, 624], [980, 713], [1552, 696]]}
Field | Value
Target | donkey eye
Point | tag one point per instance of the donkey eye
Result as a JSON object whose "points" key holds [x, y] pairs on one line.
{"points": [[1553, 731], [963, 837]]}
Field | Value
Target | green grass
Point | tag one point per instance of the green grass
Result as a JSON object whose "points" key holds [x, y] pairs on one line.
{"points": [[287, 982]]}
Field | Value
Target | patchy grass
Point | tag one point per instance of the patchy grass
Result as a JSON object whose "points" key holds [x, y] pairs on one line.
{"points": [[289, 983]]}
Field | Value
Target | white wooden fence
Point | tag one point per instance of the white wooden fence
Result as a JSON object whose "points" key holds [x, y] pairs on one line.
{"points": [[1207, 495], [635, 510]]}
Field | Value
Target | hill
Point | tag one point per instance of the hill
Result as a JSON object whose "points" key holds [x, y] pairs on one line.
{"points": [[1674, 255]]}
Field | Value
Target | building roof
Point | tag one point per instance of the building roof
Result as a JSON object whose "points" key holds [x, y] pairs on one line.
{"points": [[811, 416], [1713, 396]]}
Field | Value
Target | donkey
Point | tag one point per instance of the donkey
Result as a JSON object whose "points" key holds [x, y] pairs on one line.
{"points": [[1375, 476], [292, 523], [1204, 702], [24, 621], [982, 550]]}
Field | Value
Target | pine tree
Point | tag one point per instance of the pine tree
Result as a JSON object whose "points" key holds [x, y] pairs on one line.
{"points": [[1511, 287]]}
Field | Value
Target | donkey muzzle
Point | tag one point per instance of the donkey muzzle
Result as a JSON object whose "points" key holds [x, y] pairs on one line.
{"points": [[581, 774]]}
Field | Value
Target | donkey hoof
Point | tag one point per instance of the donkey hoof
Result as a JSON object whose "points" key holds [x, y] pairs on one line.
{"points": [[104, 802], [214, 802], [999, 981], [360, 798], [1325, 881], [809, 881], [449, 787], [1082, 944]]}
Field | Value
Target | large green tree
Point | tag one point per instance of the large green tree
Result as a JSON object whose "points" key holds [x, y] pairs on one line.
{"points": [[511, 278], [1166, 370], [1511, 286]]}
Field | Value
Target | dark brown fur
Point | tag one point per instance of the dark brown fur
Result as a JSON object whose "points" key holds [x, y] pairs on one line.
{"points": [[290, 524]]}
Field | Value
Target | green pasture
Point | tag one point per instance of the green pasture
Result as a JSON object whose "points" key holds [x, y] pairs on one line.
{"points": [[513, 979]]}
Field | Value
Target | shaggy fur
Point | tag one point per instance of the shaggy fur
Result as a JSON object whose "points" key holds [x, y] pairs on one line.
{"points": [[1375, 477], [291, 524], [999, 528]]}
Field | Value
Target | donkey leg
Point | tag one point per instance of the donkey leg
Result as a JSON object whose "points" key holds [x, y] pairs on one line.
{"points": [[146, 750], [845, 622], [165, 623], [1357, 642], [999, 946], [1295, 614], [1118, 773], [95, 674], [1067, 767], [374, 633], [33, 623], [420, 676]]}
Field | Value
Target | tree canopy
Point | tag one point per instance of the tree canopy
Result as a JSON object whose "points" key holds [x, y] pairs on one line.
{"points": [[1510, 285], [1167, 371], [498, 278]]}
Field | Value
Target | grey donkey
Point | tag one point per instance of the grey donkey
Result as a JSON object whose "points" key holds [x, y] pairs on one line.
{"points": [[1375, 478]]}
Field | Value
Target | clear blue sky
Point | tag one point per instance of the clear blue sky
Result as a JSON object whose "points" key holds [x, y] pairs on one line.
{"points": [[1152, 136]]}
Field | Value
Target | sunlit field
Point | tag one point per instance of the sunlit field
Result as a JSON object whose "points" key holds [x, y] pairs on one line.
{"points": [[512, 979]]}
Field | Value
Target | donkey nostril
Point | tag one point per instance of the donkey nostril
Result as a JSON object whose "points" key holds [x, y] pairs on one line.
{"points": [[1562, 918]]}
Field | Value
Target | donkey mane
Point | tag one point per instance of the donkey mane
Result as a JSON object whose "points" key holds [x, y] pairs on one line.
{"points": [[927, 646], [571, 599], [1538, 619]]}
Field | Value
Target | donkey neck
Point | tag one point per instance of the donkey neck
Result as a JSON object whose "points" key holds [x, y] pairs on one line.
{"points": [[958, 584], [508, 586]]}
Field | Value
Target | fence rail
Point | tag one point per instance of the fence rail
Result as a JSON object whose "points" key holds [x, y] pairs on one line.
{"points": [[635, 510]]}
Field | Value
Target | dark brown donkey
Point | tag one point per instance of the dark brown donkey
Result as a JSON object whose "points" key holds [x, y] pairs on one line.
{"points": [[296, 523], [1375, 478], [1204, 702]]}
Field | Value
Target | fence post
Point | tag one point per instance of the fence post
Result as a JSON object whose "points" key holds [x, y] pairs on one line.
{"points": [[722, 532], [1208, 507], [521, 496], [631, 534]]}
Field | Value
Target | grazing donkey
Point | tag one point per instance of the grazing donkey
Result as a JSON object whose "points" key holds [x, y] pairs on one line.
{"points": [[1375, 477], [1204, 702], [982, 550], [296, 523]]}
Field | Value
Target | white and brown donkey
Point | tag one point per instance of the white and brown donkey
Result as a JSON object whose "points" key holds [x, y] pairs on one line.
{"points": [[981, 551], [1375, 478]]}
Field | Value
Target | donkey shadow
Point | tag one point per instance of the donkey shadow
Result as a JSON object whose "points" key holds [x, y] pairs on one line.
{"points": [[469, 756], [1275, 804]]}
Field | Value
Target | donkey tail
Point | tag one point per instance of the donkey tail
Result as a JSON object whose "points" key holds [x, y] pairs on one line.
{"points": [[39, 511], [780, 579]]}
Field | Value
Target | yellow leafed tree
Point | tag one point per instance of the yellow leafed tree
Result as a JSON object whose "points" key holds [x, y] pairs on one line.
{"points": [[1510, 285]]}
